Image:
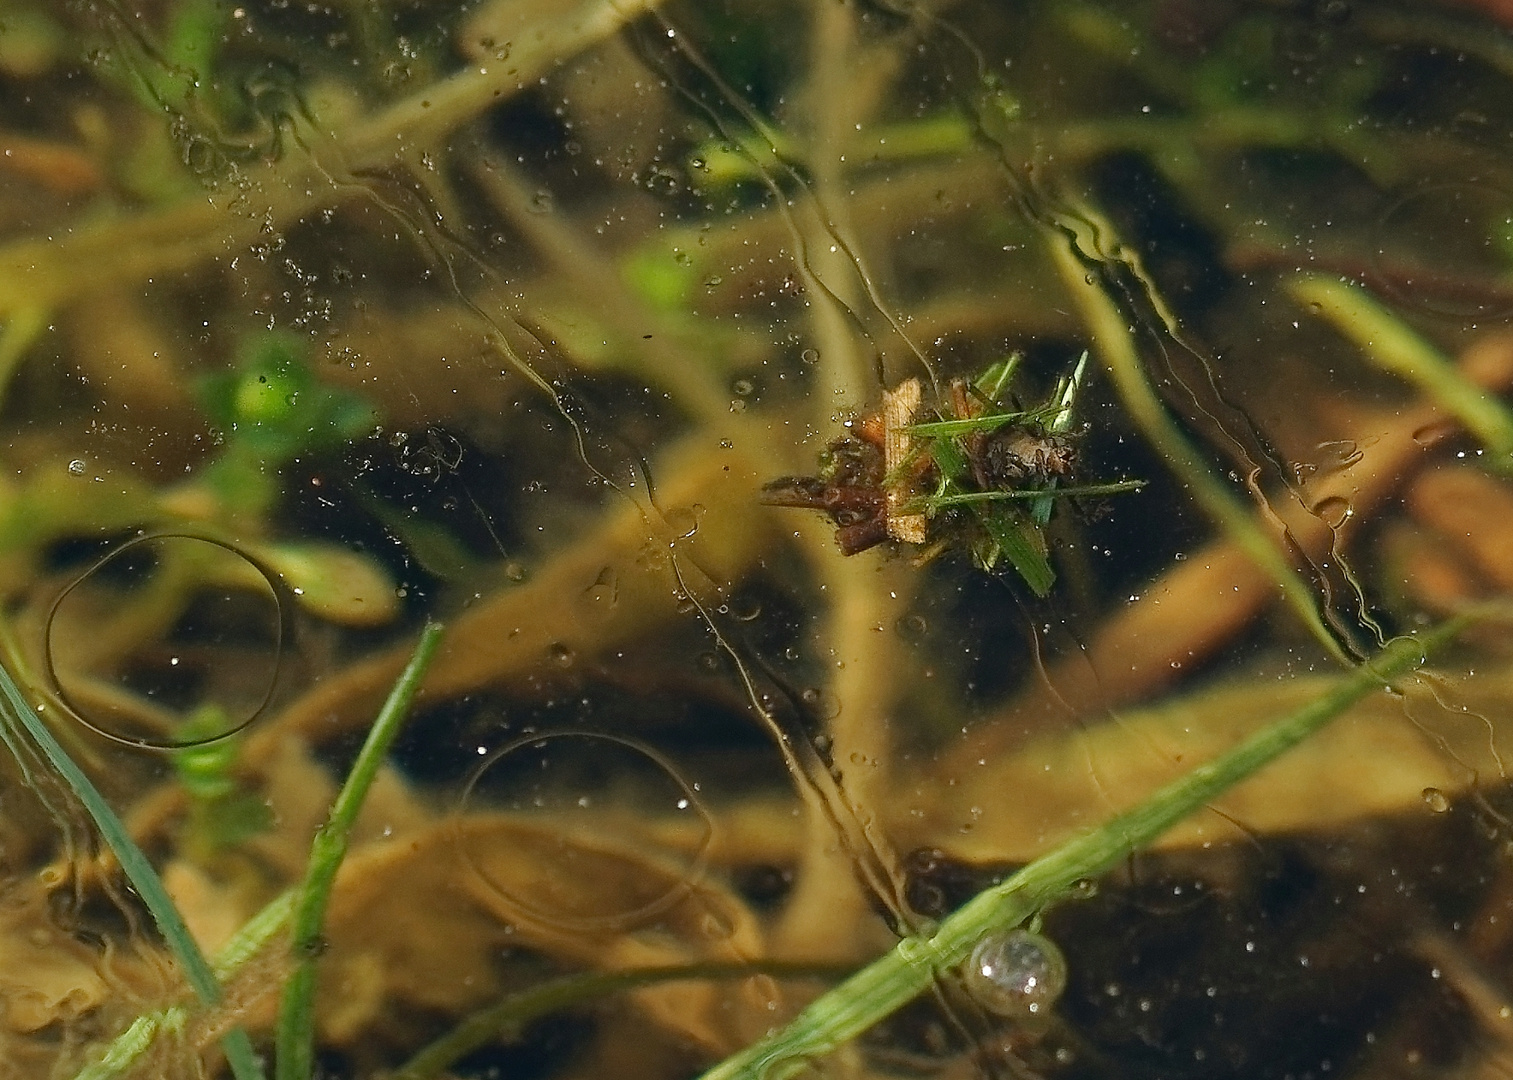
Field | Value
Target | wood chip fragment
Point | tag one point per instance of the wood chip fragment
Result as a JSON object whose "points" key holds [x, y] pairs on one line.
{"points": [[1473, 512], [899, 408]]}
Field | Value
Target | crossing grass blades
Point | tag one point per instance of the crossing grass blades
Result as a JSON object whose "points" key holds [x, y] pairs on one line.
{"points": [[983, 476]]}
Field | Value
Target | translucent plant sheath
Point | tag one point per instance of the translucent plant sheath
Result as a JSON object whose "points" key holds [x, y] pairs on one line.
{"points": [[127, 1047], [901, 975]]}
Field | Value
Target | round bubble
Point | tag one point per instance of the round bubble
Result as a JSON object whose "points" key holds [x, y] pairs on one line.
{"points": [[1444, 249], [593, 793], [1017, 973], [170, 641]]}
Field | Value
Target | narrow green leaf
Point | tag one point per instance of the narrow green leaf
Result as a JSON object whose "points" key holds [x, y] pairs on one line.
{"points": [[134, 864], [916, 962], [1021, 543], [968, 498], [295, 1040]]}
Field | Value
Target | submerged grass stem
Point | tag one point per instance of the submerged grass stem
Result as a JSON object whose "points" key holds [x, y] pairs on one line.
{"points": [[295, 1042], [1393, 346], [514, 1012], [916, 962], [1116, 345]]}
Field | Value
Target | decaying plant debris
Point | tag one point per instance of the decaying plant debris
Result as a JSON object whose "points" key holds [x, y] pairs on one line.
{"points": [[1153, 356]]}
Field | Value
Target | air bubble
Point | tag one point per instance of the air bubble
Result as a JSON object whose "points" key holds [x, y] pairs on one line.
{"points": [[1436, 800], [1017, 973], [1334, 12], [684, 520], [603, 596], [561, 655], [576, 785], [170, 641], [1431, 434], [823, 705], [1084, 889], [1340, 453], [1333, 511], [663, 180], [810, 356]]}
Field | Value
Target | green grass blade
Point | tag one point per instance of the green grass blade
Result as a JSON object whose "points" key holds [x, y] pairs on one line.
{"points": [[940, 429], [916, 962], [949, 459], [1021, 542], [992, 383], [489, 1024], [295, 1039], [132, 1043], [1115, 343], [1060, 424], [1393, 346], [136, 867], [967, 498]]}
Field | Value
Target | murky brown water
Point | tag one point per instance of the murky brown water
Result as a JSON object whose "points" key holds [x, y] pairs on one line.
{"points": [[599, 334]]}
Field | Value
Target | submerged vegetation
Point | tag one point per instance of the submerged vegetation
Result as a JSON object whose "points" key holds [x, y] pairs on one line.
{"points": [[894, 479], [1135, 706]]}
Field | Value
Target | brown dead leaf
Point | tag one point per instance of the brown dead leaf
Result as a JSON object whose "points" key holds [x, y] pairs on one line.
{"points": [[899, 407], [46, 976], [429, 923], [1474, 514], [60, 988], [1380, 757]]}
